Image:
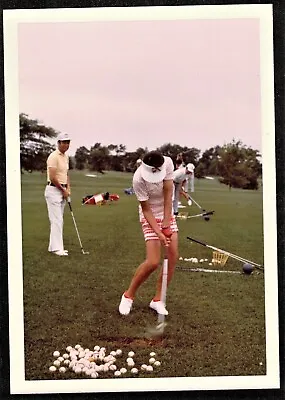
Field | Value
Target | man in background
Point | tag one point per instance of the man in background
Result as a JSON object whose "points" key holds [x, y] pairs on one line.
{"points": [[57, 192]]}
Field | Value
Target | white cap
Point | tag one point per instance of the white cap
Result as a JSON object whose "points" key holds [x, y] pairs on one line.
{"points": [[190, 167], [63, 136]]}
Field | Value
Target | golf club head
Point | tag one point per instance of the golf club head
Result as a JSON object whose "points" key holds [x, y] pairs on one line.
{"points": [[85, 252], [158, 330]]}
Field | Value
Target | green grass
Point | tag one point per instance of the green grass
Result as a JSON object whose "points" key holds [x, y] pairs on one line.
{"points": [[216, 322]]}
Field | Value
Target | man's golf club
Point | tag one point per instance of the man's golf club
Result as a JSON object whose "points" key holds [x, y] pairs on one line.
{"points": [[198, 205], [227, 253], [69, 203]]}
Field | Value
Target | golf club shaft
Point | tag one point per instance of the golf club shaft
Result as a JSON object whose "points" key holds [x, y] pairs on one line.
{"points": [[205, 214], [164, 284], [75, 225], [198, 205], [225, 252]]}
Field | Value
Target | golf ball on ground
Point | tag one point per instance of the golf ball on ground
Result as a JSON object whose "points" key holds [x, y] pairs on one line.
{"points": [[94, 375], [131, 354], [156, 363], [144, 367], [117, 373], [60, 359], [77, 346], [149, 368], [65, 356], [96, 348], [151, 360], [152, 354], [52, 368], [56, 363], [77, 370], [62, 370], [134, 371], [56, 354], [123, 370], [66, 362], [119, 352]]}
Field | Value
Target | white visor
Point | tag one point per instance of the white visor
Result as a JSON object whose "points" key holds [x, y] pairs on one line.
{"points": [[153, 174]]}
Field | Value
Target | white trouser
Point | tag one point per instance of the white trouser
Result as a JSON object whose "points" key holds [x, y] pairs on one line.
{"points": [[176, 195], [55, 206]]}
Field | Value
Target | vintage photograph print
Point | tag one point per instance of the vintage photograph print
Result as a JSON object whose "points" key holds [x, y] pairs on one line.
{"points": [[141, 200]]}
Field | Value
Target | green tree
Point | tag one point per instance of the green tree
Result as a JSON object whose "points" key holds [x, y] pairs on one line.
{"points": [[239, 166], [34, 148], [81, 157], [99, 158]]}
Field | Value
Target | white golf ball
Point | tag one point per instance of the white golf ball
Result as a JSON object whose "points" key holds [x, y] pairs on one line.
{"points": [[65, 356], [66, 362], [123, 370], [52, 368], [119, 352], [206, 259], [134, 371], [103, 349], [180, 258], [149, 368], [77, 346], [77, 370], [113, 353], [81, 354], [210, 264], [105, 368], [113, 367], [152, 354], [117, 373], [151, 360], [88, 372], [131, 364], [157, 363], [129, 359], [94, 375], [96, 348], [131, 353], [143, 367], [68, 349], [56, 354], [56, 363], [62, 370], [202, 260], [60, 359], [86, 351]]}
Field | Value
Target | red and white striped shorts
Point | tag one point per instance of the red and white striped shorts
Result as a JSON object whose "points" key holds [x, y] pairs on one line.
{"points": [[149, 233]]}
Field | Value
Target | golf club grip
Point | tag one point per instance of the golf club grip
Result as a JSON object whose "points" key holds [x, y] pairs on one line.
{"points": [[69, 204], [197, 241]]}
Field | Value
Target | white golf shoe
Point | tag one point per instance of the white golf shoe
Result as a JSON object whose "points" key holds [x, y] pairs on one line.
{"points": [[61, 253], [159, 307], [125, 305]]}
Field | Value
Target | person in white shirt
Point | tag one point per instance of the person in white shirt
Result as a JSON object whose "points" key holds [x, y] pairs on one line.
{"points": [[180, 178], [56, 193], [153, 187]]}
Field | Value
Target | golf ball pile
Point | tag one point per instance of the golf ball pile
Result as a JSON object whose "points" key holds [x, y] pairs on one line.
{"points": [[92, 363]]}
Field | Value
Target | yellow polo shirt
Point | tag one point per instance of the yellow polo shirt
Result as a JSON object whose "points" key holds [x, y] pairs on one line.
{"points": [[59, 161]]}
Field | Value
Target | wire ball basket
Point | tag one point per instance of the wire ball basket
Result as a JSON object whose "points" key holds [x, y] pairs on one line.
{"points": [[219, 258]]}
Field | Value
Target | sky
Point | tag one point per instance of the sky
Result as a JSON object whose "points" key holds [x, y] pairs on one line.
{"points": [[195, 83]]}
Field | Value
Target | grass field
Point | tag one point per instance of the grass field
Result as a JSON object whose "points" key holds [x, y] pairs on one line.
{"points": [[216, 322]]}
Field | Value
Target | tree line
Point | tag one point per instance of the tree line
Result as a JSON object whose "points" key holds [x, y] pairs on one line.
{"points": [[236, 164]]}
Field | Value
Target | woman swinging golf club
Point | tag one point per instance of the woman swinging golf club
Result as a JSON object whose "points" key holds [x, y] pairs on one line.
{"points": [[153, 186]]}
